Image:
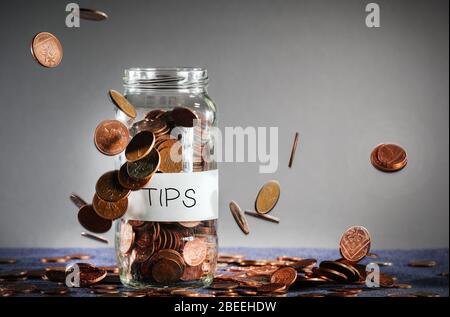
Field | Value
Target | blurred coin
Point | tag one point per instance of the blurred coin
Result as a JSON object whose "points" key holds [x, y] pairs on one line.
{"points": [[122, 103], [422, 263], [109, 189], [92, 15], [224, 285], [55, 291], [140, 146], [239, 217], [272, 288], [262, 216], [111, 137], [7, 261], [267, 197], [46, 49], [61, 259], [184, 117], [109, 210], [126, 238], [144, 168], [403, 286], [22, 288], [294, 148], [355, 243], [12, 274], [78, 256], [91, 221], [94, 237]]}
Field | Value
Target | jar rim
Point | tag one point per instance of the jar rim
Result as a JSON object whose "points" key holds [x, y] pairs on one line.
{"points": [[165, 77]]}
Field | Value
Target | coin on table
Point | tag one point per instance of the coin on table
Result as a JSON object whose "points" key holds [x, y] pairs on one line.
{"points": [[7, 261], [89, 274], [184, 117], [108, 187], [285, 275], [128, 182], [272, 288], [239, 217], [422, 263], [92, 15], [171, 160], [267, 197], [355, 243], [144, 168], [46, 49], [111, 137], [350, 272], [110, 210], [194, 252], [90, 220], [389, 157], [122, 103], [140, 146]]}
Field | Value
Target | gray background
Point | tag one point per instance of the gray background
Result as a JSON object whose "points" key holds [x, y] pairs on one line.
{"points": [[307, 66]]}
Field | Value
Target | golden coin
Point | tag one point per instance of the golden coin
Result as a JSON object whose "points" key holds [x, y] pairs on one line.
{"points": [[123, 104], [108, 187], [140, 146], [110, 210], [171, 160], [267, 197], [46, 49]]}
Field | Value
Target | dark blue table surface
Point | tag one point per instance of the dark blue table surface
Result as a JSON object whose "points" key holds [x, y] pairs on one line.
{"points": [[421, 279]]}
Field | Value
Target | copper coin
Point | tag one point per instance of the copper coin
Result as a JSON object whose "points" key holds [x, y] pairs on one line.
{"points": [[154, 114], [90, 220], [294, 148], [263, 216], [111, 137], [122, 103], [267, 197], [46, 49], [55, 274], [355, 243], [386, 280], [171, 160], [144, 168], [239, 217], [189, 224], [332, 275], [7, 261], [109, 189], [92, 15], [350, 272], [126, 237], [78, 256], [192, 273], [61, 259], [184, 117], [194, 252], [227, 285], [55, 291], [389, 157], [131, 183], [140, 146], [285, 275], [94, 237], [14, 274], [136, 223], [272, 288], [109, 210], [166, 271], [422, 263], [90, 274]]}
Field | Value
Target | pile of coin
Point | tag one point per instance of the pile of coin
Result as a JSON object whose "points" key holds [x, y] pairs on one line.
{"points": [[164, 253]]}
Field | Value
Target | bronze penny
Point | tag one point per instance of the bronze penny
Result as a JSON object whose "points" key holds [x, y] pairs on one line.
{"points": [[131, 183], [332, 275], [267, 197], [46, 49], [126, 237], [90, 220], [350, 272], [294, 148], [122, 103], [166, 270], [111, 137], [355, 244], [92, 15], [239, 217], [194, 252], [94, 237], [154, 114], [109, 189], [109, 210], [140, 146], [90, 274], [262, 216], [184, 117], [285, 275], [171, 160], [7, 261], [189, 224], [192, 273], [272, 288], [389, 157], [422, 263], [144, 168]]}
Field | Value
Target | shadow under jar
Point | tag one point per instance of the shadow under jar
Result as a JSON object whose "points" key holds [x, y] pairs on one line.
{"points": [[168, 235]]}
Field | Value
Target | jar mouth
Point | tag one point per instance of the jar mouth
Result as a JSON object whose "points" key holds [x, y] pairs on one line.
{"points": [[165, 78]]}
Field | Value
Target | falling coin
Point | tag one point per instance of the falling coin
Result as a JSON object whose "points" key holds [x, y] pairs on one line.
{"points": [[92, 15], [111, 137], [267, 197], [122, 103], [7, 261], [46, 49], [355, 243], [422, 263], [262, 216], [294, 148], [109, 210], [108, 187], [94, 237], [128, 182], [239, 217], [144, 168], [140, 146], [389, 157]]}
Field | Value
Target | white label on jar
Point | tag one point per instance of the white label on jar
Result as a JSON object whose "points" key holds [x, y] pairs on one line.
{"points": [[176, 197]]}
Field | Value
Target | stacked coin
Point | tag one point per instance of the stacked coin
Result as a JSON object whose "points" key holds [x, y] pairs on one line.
{"points": [[164, 253]]}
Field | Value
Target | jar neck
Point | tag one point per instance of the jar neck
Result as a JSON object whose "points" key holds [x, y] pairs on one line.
{"points": [[178, 79]]}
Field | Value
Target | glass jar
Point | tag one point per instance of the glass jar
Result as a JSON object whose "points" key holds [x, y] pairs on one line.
{"points": [[168, 235]]}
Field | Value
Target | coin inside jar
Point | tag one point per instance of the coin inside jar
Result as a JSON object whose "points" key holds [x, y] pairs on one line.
{"points": [[108, 187], [140, 146], [184, 117], [144, 168], [122, 103], [194, 252], [267, 197], [46, 49], [111, 137], [171, 161], [110, 210]]}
